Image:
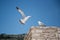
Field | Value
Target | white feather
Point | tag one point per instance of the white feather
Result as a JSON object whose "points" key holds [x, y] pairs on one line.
{"points": [[25, 18]]}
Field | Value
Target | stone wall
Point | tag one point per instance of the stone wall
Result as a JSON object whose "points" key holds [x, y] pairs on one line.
{"points": [[43, 33]]}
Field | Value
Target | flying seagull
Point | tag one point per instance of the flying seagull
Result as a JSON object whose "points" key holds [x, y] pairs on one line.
{"points": [[24, 17]]}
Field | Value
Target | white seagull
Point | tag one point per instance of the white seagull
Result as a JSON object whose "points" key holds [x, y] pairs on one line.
{"points": [[40, 23], [24, 17]]}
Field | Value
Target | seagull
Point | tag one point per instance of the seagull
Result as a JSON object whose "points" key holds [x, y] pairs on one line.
{"points": [[40, 23], [24, 17]]}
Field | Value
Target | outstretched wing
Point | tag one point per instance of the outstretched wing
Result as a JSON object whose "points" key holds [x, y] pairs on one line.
{"points": [[21, 12]]}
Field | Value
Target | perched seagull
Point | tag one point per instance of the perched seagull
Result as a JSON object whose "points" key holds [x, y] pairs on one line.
{"points": [[40, 23], [25, 18]]}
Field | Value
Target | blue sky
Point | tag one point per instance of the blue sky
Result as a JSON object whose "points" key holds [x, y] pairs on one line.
{"points": [[47, 11]]}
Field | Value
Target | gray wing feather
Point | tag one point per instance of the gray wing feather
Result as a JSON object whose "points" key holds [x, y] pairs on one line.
{"points": [[21, 12]]}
